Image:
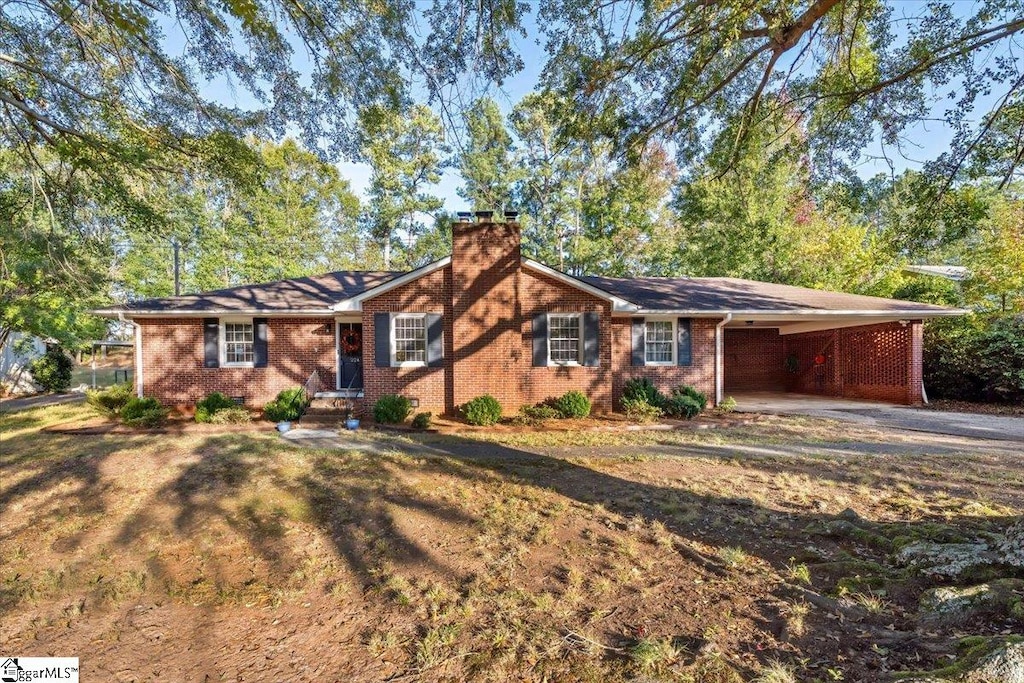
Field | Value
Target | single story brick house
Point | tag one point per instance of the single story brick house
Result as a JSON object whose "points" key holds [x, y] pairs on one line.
{"points": [[488, 321]]}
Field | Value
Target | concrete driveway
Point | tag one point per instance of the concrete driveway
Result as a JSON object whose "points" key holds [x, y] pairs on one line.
{"points": [[881, 414]]}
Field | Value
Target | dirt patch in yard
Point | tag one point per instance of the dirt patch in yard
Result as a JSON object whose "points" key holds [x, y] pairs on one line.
{"points": [[558, 555]]}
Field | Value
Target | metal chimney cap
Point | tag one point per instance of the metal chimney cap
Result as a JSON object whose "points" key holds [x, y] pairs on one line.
{"points": [[511, 215], [485, 214], [464, 216]]}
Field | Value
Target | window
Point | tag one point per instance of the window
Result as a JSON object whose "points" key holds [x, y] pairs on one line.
{"points": [[237, 339], [659, 342], [409, 339], [564, 338]]}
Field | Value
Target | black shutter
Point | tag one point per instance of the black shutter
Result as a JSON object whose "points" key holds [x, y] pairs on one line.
{"points": [[684, 343], [639, 331], [259, 342], [435, 340], [211, 342], [591, 339], [382, 340], [540, 339]]}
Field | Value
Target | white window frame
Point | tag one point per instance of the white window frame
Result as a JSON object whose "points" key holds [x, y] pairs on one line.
{"points": [[223, 342], [579, 351], [673, 341], [394, 342]]}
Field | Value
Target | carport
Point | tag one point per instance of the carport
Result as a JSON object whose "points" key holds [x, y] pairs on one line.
{"points": [[874, 359]]}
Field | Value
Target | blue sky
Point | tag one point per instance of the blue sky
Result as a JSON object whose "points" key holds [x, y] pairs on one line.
{"points": [[926, 140]]}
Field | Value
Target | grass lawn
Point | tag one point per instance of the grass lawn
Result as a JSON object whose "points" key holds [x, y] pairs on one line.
{"points": [[676, 556]]}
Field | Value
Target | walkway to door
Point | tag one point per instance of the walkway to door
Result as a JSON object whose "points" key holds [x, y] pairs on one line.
{"points": [[882, 414]]}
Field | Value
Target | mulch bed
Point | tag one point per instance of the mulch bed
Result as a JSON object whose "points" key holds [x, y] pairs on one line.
{"points": [[972, 407]]}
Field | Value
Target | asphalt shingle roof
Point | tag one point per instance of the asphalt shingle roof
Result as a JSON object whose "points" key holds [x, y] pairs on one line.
{"points": [[733, 294], [304, 293]]}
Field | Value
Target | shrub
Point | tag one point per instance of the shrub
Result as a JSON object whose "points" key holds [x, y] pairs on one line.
{"points": [[678, 405], [52, 370], [573, 404], [211, 405], [641, 388], [288, 406], [482, 410], [391, 409], [974, 358], [143, 412], [422, 420], [686, 390], [639, 410], [728, 405], [541, 411], [111, 400], [232, 415]]}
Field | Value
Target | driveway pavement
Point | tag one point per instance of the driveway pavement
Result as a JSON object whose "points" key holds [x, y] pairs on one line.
{"points": [[877, 413], [9, 405]]}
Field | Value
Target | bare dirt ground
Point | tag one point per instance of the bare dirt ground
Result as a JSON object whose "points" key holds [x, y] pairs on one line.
{"points": [[560, 556]]}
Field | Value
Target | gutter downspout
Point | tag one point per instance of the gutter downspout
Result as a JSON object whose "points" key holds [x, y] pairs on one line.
{"points": [[719, 358], [137, 333]]}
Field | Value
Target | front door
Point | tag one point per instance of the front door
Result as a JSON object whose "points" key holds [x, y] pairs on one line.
{"points": [[350, 355]]}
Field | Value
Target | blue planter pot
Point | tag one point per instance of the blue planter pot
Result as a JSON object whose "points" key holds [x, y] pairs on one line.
{"points": [[351, 423], [284, 426]]}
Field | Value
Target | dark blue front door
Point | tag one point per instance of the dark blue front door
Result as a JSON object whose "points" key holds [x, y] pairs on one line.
{"points": [[350, 355]]}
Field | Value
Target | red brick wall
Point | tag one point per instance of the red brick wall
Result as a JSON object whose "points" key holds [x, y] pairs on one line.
{"points": [[172, 360], [753, 360], [700, 374], [429, 294]]}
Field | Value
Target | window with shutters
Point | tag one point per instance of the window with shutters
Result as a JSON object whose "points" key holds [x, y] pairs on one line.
{"points": [[409, 339], [236, 343], [659, 342], [565, 339]]}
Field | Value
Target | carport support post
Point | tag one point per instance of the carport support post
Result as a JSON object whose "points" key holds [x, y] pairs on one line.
{"points": [[719, 361]]}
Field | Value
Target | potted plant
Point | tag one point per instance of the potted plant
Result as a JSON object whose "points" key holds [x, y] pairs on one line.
{"points": [[351, 421], [281, 414]]}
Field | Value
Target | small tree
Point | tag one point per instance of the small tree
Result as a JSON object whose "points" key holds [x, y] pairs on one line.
{"points": [[52, 371]]}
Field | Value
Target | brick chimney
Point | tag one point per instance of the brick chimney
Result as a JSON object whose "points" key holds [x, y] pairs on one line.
{"points": [[487, 339]]}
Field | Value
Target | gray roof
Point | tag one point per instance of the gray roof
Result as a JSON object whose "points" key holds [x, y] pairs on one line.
{"points": [[955, 273], [707, 294], [317, 292], [715, 294]]}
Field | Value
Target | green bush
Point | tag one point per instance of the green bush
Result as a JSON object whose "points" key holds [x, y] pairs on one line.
{"points": [[143, 412], [975, 358], [230, 416], [211, 405], [641, 388], [686, 390], [680, 405], [391, 409], [111, 400], [573, 404], [288, 406], [539, 412], [482, 410], [52, 370], [728, 405], [422, 420], [639, 410]]}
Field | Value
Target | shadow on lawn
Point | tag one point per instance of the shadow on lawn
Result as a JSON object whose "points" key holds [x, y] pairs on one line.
{"points": [[355, 500]]}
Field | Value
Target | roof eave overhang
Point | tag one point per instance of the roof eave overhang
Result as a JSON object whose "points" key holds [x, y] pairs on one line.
{"points": [[801, 314], [355, 303], [212, 313], [619, 305]]}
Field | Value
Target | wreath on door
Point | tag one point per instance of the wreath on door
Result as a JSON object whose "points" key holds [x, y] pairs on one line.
{"points": [[351, 341]]}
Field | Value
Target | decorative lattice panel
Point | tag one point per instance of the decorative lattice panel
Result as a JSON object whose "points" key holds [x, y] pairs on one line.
{"points": [[876, 356]]}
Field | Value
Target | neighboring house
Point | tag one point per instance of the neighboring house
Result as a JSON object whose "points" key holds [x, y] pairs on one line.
{"points": [[954, 273], [487, 321], [15, 358]]}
